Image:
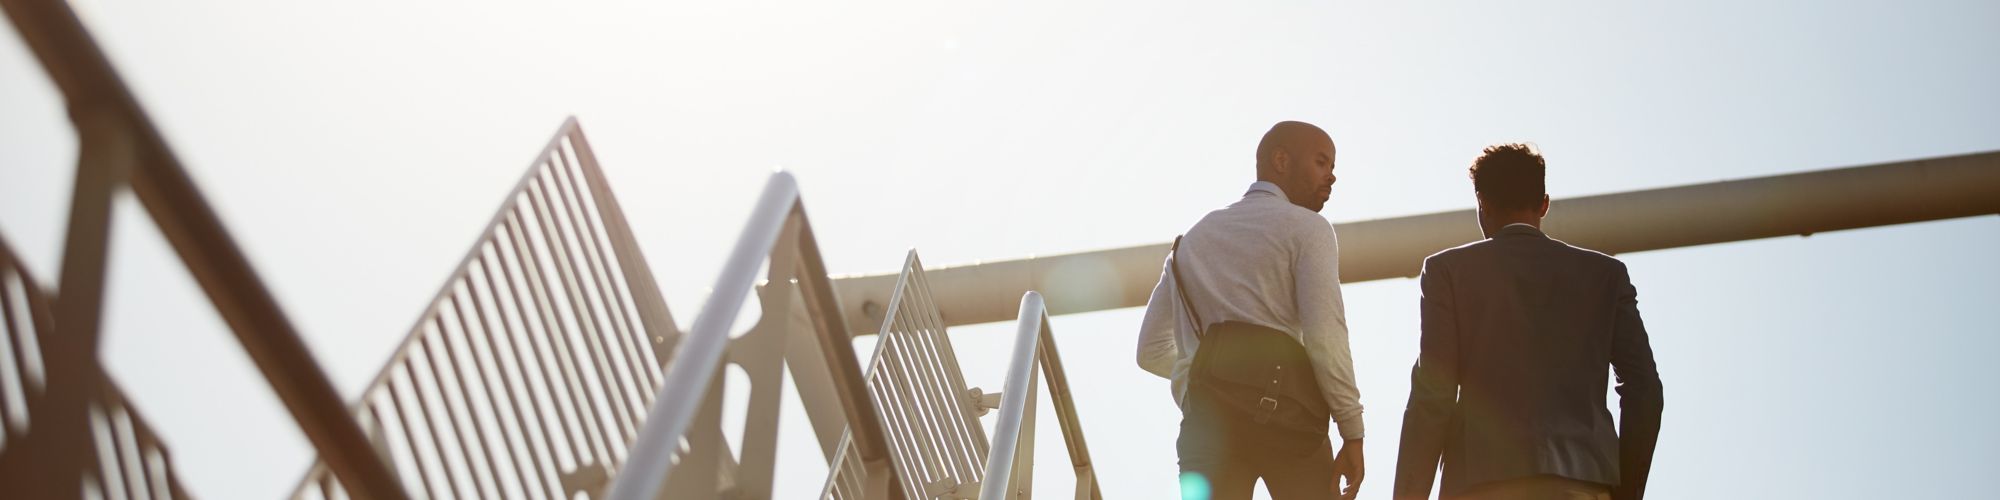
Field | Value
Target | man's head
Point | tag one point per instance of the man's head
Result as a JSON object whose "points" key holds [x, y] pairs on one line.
{"points": [[1508, 179], [1298, 157]]}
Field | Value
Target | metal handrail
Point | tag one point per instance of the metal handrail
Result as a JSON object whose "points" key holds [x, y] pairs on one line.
{"points": [[119, 148], [696, 361], [1014, 407], [688, 406]]}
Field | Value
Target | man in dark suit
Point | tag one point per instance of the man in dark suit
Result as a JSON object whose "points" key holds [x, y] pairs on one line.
{"points": [[1517, 331]]}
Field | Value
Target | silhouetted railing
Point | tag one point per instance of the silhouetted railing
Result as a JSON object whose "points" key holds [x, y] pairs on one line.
{"points": [[123, 455], [119, 148]]}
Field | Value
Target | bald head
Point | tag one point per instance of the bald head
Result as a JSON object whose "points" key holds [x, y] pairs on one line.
{"points": [[1298, 157]]}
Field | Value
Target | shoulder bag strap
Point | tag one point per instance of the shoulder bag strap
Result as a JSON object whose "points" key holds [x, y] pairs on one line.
{"points": [[1174, 263]]}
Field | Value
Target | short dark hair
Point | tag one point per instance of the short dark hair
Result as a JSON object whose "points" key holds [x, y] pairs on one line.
{"points": [[1510, 176]]}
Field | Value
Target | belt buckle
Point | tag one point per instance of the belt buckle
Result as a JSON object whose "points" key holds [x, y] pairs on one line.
{"points": [[1266, 406]]}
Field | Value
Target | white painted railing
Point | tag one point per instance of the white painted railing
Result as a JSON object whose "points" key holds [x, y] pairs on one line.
{"points": [[940, 449], [531, 370], [696, 361], [542, 368], [1012, 448], [931, 416], [679, 453]]}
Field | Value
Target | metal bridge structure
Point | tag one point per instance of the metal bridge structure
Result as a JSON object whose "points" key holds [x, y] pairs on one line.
{"points": [[548, 365]]}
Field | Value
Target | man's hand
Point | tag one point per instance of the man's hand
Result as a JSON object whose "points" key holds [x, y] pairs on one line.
{"points": [[1349, 464]]}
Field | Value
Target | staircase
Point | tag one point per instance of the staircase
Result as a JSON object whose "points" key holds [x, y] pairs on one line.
{"points": [[548, 365]]}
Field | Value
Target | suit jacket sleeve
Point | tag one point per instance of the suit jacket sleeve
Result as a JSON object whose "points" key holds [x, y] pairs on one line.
{"points": [[1640, 399], [1433, 385]]}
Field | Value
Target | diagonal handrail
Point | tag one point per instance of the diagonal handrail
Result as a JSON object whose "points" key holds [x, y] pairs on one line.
{"points": [[1014, 401], [696, 361], [778, 230], [120, 148]]}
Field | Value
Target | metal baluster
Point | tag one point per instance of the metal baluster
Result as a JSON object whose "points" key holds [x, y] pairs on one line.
{"points": [[623, 417], [600, 440], [608, 291], [430, 422], [457, 372], [437, 369], [572, 431], [514, 394]]}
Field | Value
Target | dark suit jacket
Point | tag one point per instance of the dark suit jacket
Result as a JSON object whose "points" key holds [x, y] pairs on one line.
{"points": [[1517, 331]]}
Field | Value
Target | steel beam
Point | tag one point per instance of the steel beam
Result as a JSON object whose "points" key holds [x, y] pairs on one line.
{"points": [[1654, 219]]}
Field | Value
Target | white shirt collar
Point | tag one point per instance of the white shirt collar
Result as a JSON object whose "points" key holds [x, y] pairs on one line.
{"points": [[1266, 186]]}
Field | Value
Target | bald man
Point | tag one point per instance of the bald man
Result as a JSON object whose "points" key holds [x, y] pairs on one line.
{"points": [[1248, 323]]}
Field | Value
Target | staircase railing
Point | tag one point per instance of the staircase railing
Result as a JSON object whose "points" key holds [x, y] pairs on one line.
{"points": [[119, 148], [679, 452], [123, 453], [532, 369], [939, 448], [1009, 470]]}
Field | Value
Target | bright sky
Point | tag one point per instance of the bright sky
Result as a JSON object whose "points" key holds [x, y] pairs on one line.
{"points": [[355, 149]]}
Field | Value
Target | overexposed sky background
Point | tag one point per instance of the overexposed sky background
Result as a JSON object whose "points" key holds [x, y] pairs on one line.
{"points": [[356, 148]]}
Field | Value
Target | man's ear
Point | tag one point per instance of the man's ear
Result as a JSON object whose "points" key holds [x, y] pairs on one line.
{"points": [[1544, 210], [1281, 163]]}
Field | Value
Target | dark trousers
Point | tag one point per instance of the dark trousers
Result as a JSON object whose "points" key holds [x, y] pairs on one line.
{"points": [[1224, 453], [1543, 487]]}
